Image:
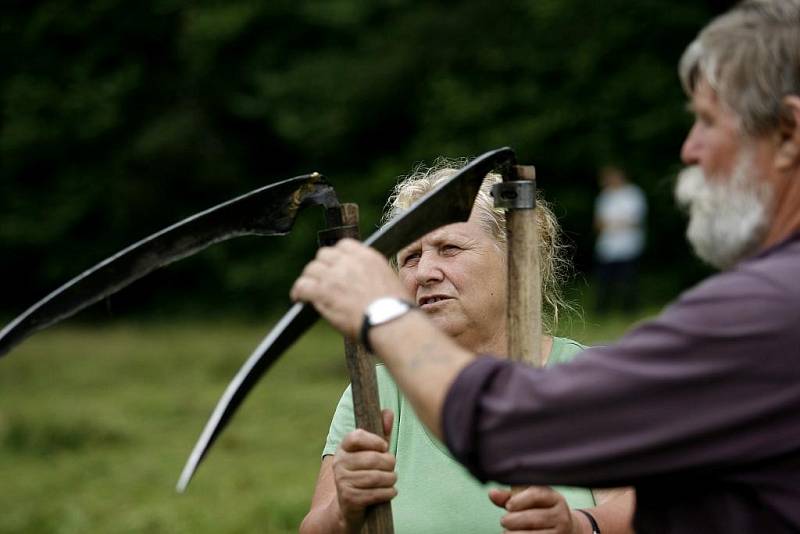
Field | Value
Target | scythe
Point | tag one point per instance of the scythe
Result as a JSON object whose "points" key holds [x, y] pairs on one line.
{"points": [[270, 210]]}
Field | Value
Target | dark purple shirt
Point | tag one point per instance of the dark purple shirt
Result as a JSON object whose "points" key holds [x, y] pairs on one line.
{"points": [[699, 409]]}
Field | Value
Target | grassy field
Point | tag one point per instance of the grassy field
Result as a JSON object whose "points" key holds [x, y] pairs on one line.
{"points": [[96, 423]]}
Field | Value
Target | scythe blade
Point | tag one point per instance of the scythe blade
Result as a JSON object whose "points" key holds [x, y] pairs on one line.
{"points": [[451, 202], [269, 210]]}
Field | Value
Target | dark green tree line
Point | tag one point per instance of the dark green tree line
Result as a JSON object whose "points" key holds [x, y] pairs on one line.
{"points": [[122, 117]]}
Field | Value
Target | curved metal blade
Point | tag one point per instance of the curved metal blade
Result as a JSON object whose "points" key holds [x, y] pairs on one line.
{"points": [[449, 203], [270, 210], [297, 320]]}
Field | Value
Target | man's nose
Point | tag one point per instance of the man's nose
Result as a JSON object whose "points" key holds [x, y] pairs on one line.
{"points": [[429, 269], [690, 151]]}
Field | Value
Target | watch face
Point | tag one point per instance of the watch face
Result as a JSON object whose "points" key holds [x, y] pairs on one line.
{"points": [[386, 309]]}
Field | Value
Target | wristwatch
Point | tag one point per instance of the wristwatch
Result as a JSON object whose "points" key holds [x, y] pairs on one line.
{"points": [[381, 311]]}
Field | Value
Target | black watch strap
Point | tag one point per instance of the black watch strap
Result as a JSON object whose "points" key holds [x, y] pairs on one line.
{"points": [[363, 334]]}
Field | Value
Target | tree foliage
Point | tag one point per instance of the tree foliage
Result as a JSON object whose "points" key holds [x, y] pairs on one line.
{"points": [[120, 118]]}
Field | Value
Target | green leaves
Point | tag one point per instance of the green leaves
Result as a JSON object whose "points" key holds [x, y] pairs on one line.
{"points": [[120, 118]]}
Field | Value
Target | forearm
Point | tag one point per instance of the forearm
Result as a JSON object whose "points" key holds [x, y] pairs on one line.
{"points": [[423, 361], [325, 514], [326, 519], [620, 396]]}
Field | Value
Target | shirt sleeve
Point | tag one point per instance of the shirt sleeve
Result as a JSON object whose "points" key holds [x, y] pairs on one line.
{"points": [[344, 419], [705, 386], [343, 422]]}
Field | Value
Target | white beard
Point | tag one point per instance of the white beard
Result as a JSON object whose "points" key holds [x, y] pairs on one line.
{"points": [[728, 216]]}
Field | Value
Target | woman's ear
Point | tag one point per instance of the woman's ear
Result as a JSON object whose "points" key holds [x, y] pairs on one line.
{"points": [[788, 154]]}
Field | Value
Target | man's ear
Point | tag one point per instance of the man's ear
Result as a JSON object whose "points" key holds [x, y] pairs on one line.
{"points": [[788, 154]]}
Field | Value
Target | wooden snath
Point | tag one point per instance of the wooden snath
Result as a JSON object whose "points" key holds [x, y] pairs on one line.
{"points": [[517, 194], [363, 380]]}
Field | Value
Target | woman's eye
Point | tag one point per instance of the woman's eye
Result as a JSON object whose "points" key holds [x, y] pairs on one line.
{"points": [[410, 259], [450, 249]]}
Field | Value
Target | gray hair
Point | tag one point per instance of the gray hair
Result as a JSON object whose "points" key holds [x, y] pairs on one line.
{"points": [[554, 267], [750, 56]]}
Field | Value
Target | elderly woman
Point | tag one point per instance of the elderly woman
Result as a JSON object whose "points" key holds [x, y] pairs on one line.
{"points": [[457, 276]]}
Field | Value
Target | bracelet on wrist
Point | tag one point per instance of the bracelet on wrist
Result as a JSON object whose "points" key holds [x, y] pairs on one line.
{"points": [[592, 520]]}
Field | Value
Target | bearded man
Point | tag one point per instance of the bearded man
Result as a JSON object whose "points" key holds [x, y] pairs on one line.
{"points": [[699, 409]]}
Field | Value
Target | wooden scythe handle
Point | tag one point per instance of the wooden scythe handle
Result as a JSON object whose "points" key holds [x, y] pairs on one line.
{"points": [[364, 385], [524, 311]]}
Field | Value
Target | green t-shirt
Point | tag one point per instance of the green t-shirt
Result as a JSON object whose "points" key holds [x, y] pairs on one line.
{"points": [[434, 492]]}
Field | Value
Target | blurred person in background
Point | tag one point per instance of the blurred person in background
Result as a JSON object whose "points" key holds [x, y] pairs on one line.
{"points": [[619, 219], [457, 276], [698, 408]]}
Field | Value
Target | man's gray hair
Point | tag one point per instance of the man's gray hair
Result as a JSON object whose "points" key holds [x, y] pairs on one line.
{"points": [[750, 57], [553, 265]]}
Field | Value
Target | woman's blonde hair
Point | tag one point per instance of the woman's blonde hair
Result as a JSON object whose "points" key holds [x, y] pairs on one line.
{"points": [[554, 267]]}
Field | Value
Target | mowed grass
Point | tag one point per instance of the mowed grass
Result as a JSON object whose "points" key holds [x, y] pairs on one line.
{"points": [[96, 424]]}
